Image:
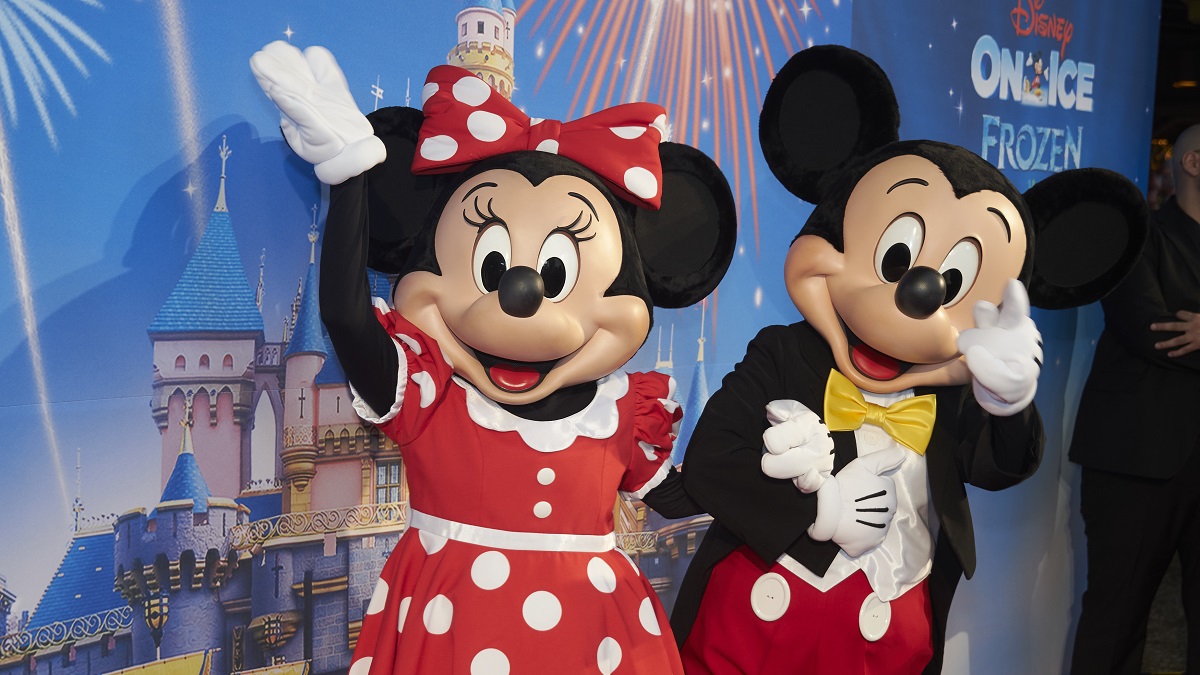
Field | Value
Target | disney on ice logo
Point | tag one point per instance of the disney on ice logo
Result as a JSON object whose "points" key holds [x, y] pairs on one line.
{"points": [[1029, 19]]}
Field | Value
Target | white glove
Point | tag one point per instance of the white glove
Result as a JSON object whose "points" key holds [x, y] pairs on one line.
{"points": [[318, 116], [855, 508], [1004, 353], [798, 445]]}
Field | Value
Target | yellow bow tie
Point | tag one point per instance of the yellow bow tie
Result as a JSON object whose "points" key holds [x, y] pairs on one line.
{"points": [[909, 422]]}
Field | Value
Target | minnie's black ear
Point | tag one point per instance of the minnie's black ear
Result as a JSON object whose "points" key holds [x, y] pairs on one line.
{"points": [[398, 202], [827, 105], [686, 245], [1089, 225]]}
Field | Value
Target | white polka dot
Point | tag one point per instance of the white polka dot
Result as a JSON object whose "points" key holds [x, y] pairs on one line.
{"points": [[378, 597], [632, 564], [490, 570], [648, 449], [629, 132], [641, 182], [542, 509], [485, 126], [546, 476], [412, 344], [438, 615], [660, 123], [402, 614], [542, 610], [648, 618], [432, 542], [472, 91], [361, 666], [438, 148], [428, 91], [490, 662], [427, 387], [608, 656], [601, 576], [549, 145], [534, 121]]}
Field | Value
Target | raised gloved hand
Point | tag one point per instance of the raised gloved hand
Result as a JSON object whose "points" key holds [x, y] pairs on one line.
{"points": [[798, 445], [855, 508], [1004, 353], [319, 118]]}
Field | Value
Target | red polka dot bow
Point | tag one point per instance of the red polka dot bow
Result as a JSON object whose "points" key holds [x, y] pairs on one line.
{"points": [[466, 121]]}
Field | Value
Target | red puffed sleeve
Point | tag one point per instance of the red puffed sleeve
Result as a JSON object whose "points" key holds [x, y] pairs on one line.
{"points": [[655, 426], [421, 384]]}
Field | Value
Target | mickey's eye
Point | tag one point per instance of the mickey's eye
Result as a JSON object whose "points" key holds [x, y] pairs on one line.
{"points": [[558, 263], [959, 270], [899, 247], [493, 251]]}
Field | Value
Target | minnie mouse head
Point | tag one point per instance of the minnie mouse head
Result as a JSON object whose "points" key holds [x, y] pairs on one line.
{"points": [[907, 237], [534, 251]]}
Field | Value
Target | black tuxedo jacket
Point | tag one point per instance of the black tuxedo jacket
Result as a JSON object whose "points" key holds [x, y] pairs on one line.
{"points": [[1140, 410], [722, 470]]}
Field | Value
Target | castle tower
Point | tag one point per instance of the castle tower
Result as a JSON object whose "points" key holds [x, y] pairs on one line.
{"points": [[306, 353], [696, 399], [205, 338], [485, 30], [176, 558]]}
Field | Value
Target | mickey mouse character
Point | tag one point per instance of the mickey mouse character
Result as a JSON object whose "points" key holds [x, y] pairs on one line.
{"points": [[531, 253], [834, 456]]}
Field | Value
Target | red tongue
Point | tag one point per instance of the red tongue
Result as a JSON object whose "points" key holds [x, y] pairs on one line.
{"points": [[874, 364], [513, 378]]}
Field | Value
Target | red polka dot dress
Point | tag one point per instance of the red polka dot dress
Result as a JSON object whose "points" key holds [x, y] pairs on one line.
{"points": [[509, 563]]}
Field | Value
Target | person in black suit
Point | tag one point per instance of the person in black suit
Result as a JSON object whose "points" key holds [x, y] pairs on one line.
{"points": [[834, 456], [1137, 436]]}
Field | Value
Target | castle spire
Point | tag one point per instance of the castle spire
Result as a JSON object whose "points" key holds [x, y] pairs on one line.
{"points": [[77, 507], [185, 446], [225, 152], [261, 290], [312, 238], [701, 341]]}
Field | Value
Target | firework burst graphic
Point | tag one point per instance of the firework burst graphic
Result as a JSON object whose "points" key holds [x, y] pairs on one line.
{"points": [[709, 60], [28, 28]]}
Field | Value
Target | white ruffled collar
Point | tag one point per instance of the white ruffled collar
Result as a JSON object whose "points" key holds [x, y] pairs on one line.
{"points": [[598, 420]]}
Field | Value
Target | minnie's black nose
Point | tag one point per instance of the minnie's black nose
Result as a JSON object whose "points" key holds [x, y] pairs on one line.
{"points": [[920, 292], [521, 292]]}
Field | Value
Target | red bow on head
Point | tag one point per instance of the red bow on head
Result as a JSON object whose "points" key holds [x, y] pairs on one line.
{"points": [[466, 121]]}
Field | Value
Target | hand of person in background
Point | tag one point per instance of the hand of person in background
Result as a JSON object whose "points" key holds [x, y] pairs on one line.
{"points": [[1189, 328], [319, 118], [1004, 353]]}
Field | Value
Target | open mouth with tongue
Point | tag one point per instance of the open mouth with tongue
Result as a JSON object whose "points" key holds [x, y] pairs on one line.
{"points": [[514, 376], [872, 362]]}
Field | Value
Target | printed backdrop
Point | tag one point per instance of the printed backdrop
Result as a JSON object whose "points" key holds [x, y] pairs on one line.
{"points": [[114, 117]]}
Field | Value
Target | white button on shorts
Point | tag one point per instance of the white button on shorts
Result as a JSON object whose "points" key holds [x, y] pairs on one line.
{"points": [[770, 596], [874, 617]]}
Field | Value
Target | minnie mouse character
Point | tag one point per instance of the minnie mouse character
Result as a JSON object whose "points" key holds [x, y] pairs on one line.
{"points": [[834, 456], [531, 254]]}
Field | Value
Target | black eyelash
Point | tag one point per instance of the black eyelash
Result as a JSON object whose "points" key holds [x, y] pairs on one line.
{"points": [[574, 229], [485, 218]]}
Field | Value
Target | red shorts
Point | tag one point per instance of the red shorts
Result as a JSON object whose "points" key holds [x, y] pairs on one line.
{"points": [[815, 633]]}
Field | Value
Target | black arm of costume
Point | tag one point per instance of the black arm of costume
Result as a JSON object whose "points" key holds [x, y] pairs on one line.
{"points": [[366, 351], [722, 468], [670, 499], [1138, 302], [998, 452]]}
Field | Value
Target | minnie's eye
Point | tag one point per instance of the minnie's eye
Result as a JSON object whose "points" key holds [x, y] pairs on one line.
{"points": [[959, 270], [493, 251], [899, 247], [558, 263]]}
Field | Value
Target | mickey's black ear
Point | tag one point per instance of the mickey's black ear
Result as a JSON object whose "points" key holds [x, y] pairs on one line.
{"points": [[1089, 225], [398, 202], [827, 105], [686, 245]]}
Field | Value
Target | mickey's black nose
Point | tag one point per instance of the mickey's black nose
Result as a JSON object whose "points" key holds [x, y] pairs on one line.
{"points": [[920, 292], [521, 292]]}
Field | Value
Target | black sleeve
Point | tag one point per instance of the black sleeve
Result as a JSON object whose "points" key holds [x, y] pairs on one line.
{"points": [[997, 452], [722, 468], [367, 353], [1138, 302], [670, 499]]}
